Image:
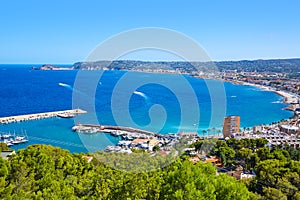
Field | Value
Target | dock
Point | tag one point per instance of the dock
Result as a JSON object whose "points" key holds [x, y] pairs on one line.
{"points": [[107, 129], [36, 116]]}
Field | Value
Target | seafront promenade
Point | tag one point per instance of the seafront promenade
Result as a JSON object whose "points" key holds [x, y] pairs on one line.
{"points": [[36, 116]]}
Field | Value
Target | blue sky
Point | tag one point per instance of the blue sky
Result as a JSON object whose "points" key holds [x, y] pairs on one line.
{"points": [[65, 31]]}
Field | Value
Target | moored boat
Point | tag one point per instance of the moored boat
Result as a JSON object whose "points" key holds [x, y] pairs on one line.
{"points": [[8, 142], [66, 115], [19, 140], [6, 136]]}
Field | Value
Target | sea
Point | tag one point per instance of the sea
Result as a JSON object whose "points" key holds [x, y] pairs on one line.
{"points": [[164, 103]]}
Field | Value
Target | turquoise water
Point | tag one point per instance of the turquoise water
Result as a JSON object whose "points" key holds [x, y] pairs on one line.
{"points": [[24, 91]]}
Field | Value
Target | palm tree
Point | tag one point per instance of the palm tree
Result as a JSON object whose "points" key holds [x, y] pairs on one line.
{"points": [[213, 130], [208, 131], [203, 132], [218, 131]]}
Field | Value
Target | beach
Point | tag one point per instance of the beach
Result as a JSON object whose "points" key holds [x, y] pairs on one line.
{"points": [[288, 97]]}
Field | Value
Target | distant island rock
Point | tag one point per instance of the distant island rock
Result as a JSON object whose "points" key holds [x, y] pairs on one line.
{"points": [[51, 67]]}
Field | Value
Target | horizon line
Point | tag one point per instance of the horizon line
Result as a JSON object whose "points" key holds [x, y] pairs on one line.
{"points": [[232, 60]]}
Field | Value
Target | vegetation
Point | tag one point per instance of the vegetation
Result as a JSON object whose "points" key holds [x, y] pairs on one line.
{"points": [[46, 172], [277, 169], [4, 147], [289, 66]]}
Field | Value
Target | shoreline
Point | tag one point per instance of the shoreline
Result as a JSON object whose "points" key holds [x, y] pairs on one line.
{"points": [[288, 97]]}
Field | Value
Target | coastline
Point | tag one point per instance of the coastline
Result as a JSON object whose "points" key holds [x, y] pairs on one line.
{"points": [[289, 98], [281, 93]]}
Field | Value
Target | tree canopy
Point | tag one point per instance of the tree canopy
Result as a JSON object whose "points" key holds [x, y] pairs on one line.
{"points": [[46, 172]]}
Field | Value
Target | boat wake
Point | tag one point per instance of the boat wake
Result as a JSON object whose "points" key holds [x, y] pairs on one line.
{"points": [[64, 85], [277, 102], [140, 94], [86, 96]]}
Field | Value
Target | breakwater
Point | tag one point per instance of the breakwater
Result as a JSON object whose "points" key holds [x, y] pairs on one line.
{"points": [[20, 118], [108, 129]]}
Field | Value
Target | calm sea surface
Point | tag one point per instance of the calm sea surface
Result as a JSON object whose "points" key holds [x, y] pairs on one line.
{"points": [[23, 91]]}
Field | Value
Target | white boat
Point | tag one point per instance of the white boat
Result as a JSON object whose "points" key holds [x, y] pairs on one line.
{"points": [[66, 115], [19, 140], [116, 133], [8, 142], [5, 136], [93, 130], [127, 137]]}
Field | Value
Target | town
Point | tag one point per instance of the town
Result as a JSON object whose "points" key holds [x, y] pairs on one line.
{"points": [[279, 76]]}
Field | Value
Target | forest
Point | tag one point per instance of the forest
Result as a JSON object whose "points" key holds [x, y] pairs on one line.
{"points": [[47, 172]]}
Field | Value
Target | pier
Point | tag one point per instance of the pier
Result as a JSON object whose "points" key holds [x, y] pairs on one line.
{"points": [[92, 128], [36, 116], [95, 128]]}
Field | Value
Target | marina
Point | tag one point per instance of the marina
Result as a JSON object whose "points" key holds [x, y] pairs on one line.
{"points": [[94, 128], [132, 138], [13, 139], [21, 118]]}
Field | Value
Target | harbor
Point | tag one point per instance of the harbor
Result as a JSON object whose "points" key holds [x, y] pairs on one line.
{"points": [[94, 128], [13, 139], [37, 116], [132, 139]]}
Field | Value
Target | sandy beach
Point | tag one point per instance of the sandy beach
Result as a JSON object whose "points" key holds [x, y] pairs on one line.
{"points": [[288, 97]]}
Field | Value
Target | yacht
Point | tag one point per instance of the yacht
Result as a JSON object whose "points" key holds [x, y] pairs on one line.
{"points": [[6, 136], [67, 115], [19, 140], [8, 142]]}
